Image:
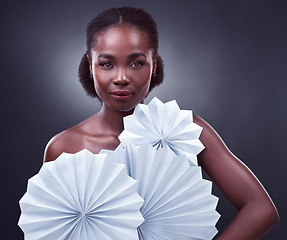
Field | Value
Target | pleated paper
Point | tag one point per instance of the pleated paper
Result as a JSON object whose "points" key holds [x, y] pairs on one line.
{"points": [[81, 196], [163, 125], [178, 203]]}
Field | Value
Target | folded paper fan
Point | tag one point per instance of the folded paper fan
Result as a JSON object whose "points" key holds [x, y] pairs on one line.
{"points": [[163, 125], [178, 203], [81, 196]]}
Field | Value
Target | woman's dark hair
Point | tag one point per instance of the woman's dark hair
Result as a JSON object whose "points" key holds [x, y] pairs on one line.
{"points": [[135, 17]]}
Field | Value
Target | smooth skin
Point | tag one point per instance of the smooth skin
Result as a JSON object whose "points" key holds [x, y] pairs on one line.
{"points": [[122, 63]]}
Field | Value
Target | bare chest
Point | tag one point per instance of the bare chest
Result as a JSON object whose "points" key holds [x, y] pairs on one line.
{"points": [[100, 141]]}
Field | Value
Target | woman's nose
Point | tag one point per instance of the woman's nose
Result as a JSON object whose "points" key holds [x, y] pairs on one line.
{"points": [[121, 78]]}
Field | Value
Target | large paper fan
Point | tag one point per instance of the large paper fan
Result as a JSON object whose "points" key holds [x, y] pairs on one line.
{"points": [[163, 125], [81, 196], [178, 203]]}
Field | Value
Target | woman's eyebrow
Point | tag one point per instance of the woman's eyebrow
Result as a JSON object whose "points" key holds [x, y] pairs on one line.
{"points": [[131, 56], [135, 55], [106, 55]]}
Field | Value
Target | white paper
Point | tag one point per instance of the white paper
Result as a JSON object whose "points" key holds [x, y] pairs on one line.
{"points": [[81, 196], [163, 125], [178, 203]]}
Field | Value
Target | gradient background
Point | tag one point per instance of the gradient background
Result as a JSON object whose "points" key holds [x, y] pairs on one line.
{"points": [[225, 60]]}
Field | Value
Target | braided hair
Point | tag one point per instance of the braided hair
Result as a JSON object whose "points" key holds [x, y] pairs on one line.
{"points": [[135, 17]]}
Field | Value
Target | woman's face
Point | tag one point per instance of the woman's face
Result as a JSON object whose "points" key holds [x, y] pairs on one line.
{"points": [[122, 64]]}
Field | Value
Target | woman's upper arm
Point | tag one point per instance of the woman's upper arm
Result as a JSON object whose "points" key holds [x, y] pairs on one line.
{"points": [[234, 179]]}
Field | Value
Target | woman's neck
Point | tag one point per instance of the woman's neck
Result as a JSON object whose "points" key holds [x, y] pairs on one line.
{"points": [[112, 121]]}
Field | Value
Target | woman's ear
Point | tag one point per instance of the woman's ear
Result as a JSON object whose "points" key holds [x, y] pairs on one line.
{"points": [[90, 64], [154, 65]]}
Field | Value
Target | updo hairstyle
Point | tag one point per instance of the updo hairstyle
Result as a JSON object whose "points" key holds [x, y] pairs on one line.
{"points": [[135, 17]]}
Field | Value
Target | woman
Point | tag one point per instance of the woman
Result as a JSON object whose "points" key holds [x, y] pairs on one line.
{"points": [[120, 67]]}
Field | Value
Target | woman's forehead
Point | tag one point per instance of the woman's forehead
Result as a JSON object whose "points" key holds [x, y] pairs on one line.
{"points": [[121, 36]]}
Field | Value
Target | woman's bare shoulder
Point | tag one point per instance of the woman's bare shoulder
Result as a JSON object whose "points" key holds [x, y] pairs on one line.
{"points": [[216, 153], [69, 141], [209, 136]]}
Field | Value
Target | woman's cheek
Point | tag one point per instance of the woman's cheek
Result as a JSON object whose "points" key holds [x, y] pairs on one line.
{"points": [[144, 77]]}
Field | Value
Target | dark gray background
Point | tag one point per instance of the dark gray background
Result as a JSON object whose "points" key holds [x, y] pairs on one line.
{"points": [[225, 60]]}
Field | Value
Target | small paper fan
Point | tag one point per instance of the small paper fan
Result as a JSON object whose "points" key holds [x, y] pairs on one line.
{"points": [[163, 125], [81, 196], [178, 203]]}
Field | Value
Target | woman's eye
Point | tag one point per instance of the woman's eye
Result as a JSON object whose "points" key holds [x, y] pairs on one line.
{"points": [[106, 65], [137, 64]]}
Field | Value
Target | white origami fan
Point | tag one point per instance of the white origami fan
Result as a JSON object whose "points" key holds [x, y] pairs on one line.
{"points": [[81, 196], [163, 125], [178, 203]]}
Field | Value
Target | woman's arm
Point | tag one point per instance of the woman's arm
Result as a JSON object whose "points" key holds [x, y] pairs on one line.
{"points": [[257, 213]]}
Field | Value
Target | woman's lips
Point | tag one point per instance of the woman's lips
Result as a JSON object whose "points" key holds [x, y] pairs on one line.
{"points": [[121, 95]]}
